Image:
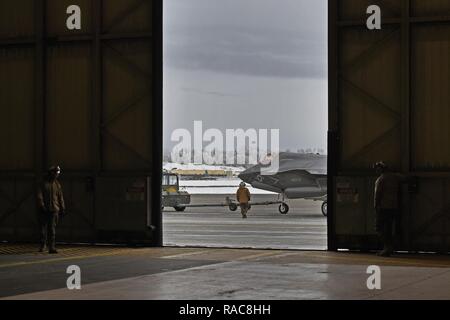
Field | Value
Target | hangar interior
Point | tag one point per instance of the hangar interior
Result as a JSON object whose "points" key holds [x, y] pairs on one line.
{"points": [[69, 106], [389, 101], [63, 101]]}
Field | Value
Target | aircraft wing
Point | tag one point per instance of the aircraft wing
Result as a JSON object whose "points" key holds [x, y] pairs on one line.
{"points": [[298, 176]]}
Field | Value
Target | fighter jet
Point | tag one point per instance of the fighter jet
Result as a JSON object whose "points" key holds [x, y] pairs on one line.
{"points": [[300, 176]]}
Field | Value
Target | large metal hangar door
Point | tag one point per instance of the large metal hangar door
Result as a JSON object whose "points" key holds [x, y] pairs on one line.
{"points": [[389, 100], [81, 86]]}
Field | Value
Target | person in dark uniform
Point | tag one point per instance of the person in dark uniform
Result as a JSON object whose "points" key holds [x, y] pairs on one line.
{"points": [[387, 205], [50, 207]]}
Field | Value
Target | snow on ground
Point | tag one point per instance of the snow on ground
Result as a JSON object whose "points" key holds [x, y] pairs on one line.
{"points": [[211, 183], [216, 186], [223, 190], [219, 186], [191, 166]]}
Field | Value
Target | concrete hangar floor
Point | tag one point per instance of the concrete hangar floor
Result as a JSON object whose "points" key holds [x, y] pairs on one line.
{"points": [[221, 273]]}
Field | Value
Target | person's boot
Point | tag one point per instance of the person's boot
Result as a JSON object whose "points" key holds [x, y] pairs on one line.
{"points": [[42, 248], [53, 251], [386, 252], [390, 250]]}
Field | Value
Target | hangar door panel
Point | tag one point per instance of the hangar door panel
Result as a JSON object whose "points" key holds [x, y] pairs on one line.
{"points": [[90, 100], [389, 101], [127, 112], [16, 78], [68, 106]]}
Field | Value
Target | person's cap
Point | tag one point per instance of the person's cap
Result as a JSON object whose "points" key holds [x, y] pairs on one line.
{"points": [[54, 169], [380, 164], [242, 184]]}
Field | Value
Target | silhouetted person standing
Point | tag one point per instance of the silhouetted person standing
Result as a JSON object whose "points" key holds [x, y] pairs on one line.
{"points": [[387, 205], [50, 206]]}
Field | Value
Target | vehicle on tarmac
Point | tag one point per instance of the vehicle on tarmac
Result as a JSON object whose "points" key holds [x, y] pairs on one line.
{"points": [[172, 196], [300, 176]]}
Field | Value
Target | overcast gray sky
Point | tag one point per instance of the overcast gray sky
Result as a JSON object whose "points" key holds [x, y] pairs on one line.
{"points": [[247, 64]]}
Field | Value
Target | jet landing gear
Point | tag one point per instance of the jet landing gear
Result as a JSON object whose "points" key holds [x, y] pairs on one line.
{"points": [[233, 206], [283, 208], [324, 208]]}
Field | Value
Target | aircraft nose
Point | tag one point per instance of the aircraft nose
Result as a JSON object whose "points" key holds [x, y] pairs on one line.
{"points": [[246, 176]]}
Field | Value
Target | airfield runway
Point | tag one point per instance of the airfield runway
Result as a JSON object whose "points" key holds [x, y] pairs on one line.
{"points": [[304, 227]]}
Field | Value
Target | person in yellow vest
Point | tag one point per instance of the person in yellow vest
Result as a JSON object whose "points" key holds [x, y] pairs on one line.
{"points": [[243, 197]]}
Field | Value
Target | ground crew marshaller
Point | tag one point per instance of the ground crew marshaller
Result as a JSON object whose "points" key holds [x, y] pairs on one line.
{"points": [[243, 197], [50, 206], [387, 205]]}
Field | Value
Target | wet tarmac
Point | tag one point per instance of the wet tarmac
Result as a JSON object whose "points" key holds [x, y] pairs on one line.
{"points": [[304, 227]]}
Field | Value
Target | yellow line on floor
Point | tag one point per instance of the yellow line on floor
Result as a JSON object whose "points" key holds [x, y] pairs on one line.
{"points": [[181, 255], [27, 263], [84, 253], [381, 260], [258, 255]]}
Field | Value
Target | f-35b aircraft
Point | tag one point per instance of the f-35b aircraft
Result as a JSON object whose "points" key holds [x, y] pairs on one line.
{"points": [[300, 176]]}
